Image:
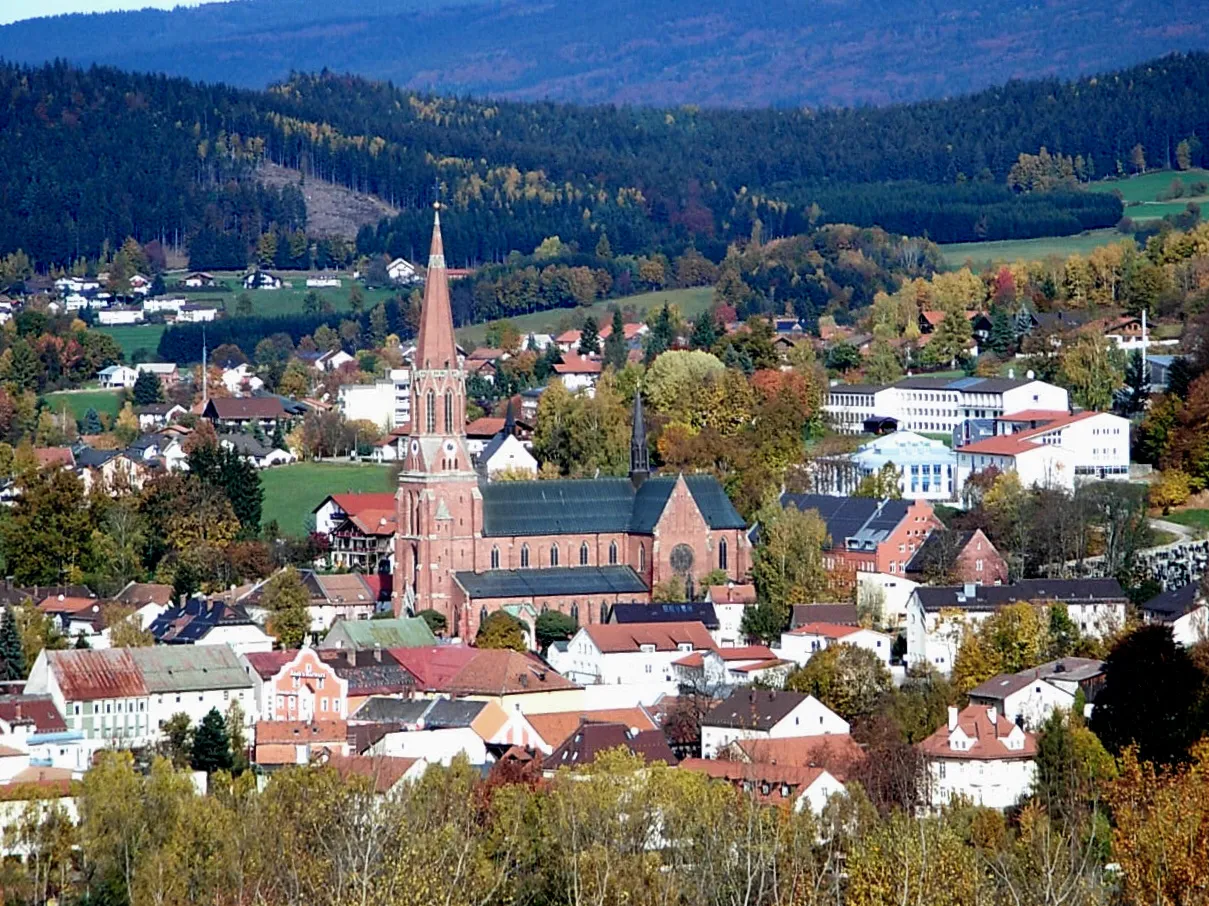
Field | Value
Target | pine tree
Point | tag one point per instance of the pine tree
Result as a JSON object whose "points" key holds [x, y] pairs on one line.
{"points": [[12, 651], [615, 350], [1003, 337], [147, 389], [603, 248], [91, 423], [241, 481], [1137, 383], [378, 326], [705, 332], [659, 340], [212, 744], [589, 338]]}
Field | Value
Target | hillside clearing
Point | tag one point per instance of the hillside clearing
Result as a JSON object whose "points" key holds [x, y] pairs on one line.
{"points": [[980, 254], [78, 402], [331, 210], [292, 492]]}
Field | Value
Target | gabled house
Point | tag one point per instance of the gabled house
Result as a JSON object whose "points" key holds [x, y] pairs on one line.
{"points": [[981, 756], [200, 621], [631, 652], [387, 774], [440, 729], [730, 602], [243, 412], [760, 714], [1031, 696], [839, 755], [710, 672], [801, 644], [1183, 609], [577, 373], [590, 740], [555, 727], [958, 556], [157, 415], [402, 271], [167, 372], [251, 450], [798, 788], [261, 280], [117, 377], [295, 686], [285, 742], [361, 634]]}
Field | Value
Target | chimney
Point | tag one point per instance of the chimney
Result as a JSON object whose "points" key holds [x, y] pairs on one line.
{"points": [[952, 718]]}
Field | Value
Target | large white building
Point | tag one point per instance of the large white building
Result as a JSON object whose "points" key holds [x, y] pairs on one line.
{"points": [[927, 468], [386, 403], [1031, 696], [1051, 448], [937, 405], [938, 617], [629, 653], [981, 756], [125, 695], [801, 644]]}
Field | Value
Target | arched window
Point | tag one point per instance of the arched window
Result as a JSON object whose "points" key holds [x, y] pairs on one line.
{"points": [[554, 555], [722, 554], [524, 556], [575, 612], [642, 558], [495, 558], [483, 615], [612, 553], [604, 612], [430, 411], [583, 554], [448, 411]]}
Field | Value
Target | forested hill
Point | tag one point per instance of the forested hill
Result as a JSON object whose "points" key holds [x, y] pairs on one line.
{"points": [[96, 155], [718, 53]]}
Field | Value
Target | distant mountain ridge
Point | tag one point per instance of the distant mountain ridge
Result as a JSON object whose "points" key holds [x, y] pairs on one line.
{"points": [[717, 53]]}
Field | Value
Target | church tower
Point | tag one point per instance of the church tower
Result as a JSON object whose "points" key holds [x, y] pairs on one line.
{"points": [[438, 487]]}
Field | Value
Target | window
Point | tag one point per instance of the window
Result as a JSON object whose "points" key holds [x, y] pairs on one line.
{"points": [[722, 554], [430, 411], [495, 558], [524, 556], [612, 554], [554, 555], [583, 554], [642, 558], [448, 411], [575, 612]]}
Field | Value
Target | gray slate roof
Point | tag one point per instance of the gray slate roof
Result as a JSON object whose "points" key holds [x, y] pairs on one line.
{"points": [[1173, 603], [596, 505], [855, 523], [557, 580], [753, 709], [992, 597], [687, 612]]}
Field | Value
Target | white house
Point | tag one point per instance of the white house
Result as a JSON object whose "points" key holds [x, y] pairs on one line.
{"points": [[1052, 449], [333, 360], [730, 603], [402, 271], [708, 671], [323, 282], [1184, 610], [759, 714], [241, 379], [198, 279], [1031, 696], [979, 755], [376, 403], [110, 317], [799, 645], [165, 304], [623, 653], [117, 377], [196, 313], [261, 280], [938, 405], [506, 453], [577, 373], [201, 622], [938, 617], [798, 787], [889, 592]]}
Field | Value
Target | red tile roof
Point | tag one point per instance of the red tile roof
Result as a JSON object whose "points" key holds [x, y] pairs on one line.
{"points": [[987, 737], [612, 638], [36, 710], [771, 777], [485, 354], [501, 672], [376, 522], [838, 755], [1023, 441], [55, 456], [555, 727], [826, 630], [487, 426], [355, 503], [434, 665], [291, 732], [68, 604], [384, 770], [1032, 415], [575, 364], [267, 663], [246, 407], [91, 675], [746, 653], [732, 594]]}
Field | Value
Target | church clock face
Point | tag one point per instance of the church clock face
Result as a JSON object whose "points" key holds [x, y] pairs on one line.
{"points": [[415, 446], [448, 446], [682, 558]]}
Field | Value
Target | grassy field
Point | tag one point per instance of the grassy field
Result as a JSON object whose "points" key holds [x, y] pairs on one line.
{"points": [[690, 301], [291, 492], [1141, 193], [106, 402], [272, 302], [132, 337], [979, 254], [1197, 519]]}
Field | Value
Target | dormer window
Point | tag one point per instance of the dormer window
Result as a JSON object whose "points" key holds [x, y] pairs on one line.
{"points": [[684, 646], [646, 648]]}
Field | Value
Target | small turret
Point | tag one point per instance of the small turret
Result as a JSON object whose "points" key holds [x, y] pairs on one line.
{"points": [[640, 460]]}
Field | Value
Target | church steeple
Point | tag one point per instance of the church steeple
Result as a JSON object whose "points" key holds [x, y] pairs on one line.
{"points": [[436, 347], [640, 461]]}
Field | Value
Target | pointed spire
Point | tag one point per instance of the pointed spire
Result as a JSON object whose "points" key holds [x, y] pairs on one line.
{"points": [[436, 346], [640, 461], [509, 420]]}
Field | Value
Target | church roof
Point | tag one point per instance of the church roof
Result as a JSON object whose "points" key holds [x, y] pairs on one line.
{"points": [[435, 344], [596, 505], [557, 580]]}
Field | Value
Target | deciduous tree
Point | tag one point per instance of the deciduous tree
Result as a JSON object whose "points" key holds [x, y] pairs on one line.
{"points": [[847, 679], [286, 599], [501, 630]]}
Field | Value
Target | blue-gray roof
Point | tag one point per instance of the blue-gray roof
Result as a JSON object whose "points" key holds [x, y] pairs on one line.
{"points": [[686, 612], [558, 580], [857, 523], [596, 506]]}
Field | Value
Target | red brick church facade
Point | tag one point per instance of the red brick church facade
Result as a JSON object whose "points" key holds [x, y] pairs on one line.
{"points": [[467, 547]]}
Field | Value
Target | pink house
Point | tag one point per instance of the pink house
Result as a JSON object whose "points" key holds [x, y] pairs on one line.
{"points": [[296, 686]]}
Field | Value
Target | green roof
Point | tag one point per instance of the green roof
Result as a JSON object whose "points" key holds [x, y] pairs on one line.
{"points": [[190, 668], [401, 632], [596, 506]]}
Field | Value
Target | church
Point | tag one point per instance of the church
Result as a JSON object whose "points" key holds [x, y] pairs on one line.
{"points": [[467, 546]]}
